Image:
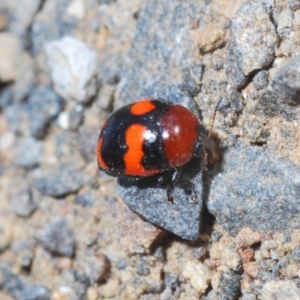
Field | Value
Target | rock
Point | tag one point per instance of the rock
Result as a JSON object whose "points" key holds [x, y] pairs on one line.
{"points": [[25, 78], [20, 22], [76, 117], [24, 253], [17, 119], [229, 286], [61, 181], [281, 289], [86, 199], [96, 268], [246, 237], [199, 275], [142, 267], [286, 80], [51, 23], [57, 237], [285, 23], [192, 78], [20, 199], [10, 49], [43, 105], [87, 141], [158, 49], [294, 4], [253, 42], [73, 69], [243, 194], [135, 235], [295, 255], [28, 153], [5, 97], [20, 289], [260, 80]]}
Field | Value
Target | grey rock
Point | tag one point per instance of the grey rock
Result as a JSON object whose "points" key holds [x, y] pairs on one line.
{"points": [[273, 102], [281, 289], [73, 69], [229, 286], [294, 4], [182, 217], [19, 21], [51, 23], [235, 76], [248, 297], [192, 77], [28, 153], [61, 181], [21, 201], [155, 54], [254, 36], [17, 119], [171, 280], [87, 140], [20, 289], [5, 97], [287, 80], [295, 255], [260, 80], [76, 283], [84, 200], [76, 117], [253, 42], [25, 78], [57, 238], [96, 268], [285, 23], [43, 106], [244, 192], [142, 267], [23, 250]]}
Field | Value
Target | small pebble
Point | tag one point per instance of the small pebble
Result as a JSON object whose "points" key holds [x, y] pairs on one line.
{"points": [[57, 237]]}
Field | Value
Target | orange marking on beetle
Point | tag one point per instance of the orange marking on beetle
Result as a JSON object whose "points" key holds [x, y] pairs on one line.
{"points": [[100, 160], [142, 107], [135, 137]]}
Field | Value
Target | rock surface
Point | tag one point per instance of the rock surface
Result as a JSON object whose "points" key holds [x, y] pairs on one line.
{"points": [[65, 229]]}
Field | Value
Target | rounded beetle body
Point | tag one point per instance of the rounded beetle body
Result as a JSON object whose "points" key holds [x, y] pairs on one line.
{"points": [[148, 137]]}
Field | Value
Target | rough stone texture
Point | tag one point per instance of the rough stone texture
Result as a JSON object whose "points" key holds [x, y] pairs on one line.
{"points": [[280, 290], [19, 289], [286, 79], [253, 42], [73, 69], [43, 105], [61, 181], [20, 198], [57, 238], [193, 54], [248, 176], [28, 153], [10, 48], [229, 286]]}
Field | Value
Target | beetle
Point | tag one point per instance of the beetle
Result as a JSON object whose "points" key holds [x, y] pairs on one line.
{"points": [[149, 137]]}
